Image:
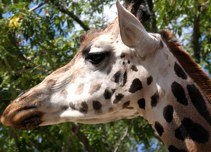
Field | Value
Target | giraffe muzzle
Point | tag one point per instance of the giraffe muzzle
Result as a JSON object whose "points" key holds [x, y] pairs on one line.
{"points": [[26, 118]]}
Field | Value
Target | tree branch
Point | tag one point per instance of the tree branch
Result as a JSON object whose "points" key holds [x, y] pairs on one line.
{"points": [[121, 140], [196, 36], [37, 6], [64, 10], [151, 9], [76, 130], [196, 33], [15, 137]]}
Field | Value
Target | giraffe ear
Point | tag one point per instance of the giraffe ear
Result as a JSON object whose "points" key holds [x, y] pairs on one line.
{"points": [[133, 33]]}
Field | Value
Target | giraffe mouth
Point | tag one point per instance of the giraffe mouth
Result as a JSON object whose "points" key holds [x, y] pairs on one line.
{"points": [[31, 122], [25, 118]]}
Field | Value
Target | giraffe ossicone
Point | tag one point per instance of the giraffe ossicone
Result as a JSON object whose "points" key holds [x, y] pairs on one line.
{"points": [[124, 72]]}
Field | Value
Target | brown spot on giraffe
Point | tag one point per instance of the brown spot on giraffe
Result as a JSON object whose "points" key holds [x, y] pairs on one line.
{"points": [[118, 97], [94, 88], [179, 93], [126, 105], [149, 80], [80, 89], [84, 107], [108, 93], [97, 105], [154, 99], [141, 103], [64, 92], [134, 68], [135, 86]]}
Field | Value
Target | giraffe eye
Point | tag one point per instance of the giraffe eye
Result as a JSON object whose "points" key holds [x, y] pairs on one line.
{"points": [[96, 58]]}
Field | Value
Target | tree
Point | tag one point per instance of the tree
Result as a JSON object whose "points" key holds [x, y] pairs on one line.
{"points": [[37, 37], [189, 20]]}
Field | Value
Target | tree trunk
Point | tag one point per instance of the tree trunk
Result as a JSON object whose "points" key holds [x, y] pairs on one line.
{"points": [[153, 27], [76, 130], [196, 37]]}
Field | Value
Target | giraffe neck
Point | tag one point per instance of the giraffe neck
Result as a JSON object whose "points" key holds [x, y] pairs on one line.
{"points": [[182, 121], [178, 109]]}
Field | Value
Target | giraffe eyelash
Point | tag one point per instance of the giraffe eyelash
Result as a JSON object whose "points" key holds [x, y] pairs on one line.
{"points": [[96, 58]]}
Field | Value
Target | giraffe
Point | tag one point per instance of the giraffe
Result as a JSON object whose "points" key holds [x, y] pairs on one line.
{"points": [[124, 72]]}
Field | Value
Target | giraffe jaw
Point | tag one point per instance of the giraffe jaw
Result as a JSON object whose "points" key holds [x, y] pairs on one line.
{"points": [[29, 117], [76, 116]]}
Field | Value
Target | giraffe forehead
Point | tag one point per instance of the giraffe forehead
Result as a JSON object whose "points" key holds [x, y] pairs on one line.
{"points": [[102, 43], [108, 42]]}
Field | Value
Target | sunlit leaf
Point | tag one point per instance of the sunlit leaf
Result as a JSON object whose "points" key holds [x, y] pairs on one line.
{"points": [[14, 22]]}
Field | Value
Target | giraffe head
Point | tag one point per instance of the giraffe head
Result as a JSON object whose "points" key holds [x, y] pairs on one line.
{"points": [[99, 85]]}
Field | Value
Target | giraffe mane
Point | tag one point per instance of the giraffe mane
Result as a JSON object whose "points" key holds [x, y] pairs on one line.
{"points": [[191, 67]]}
